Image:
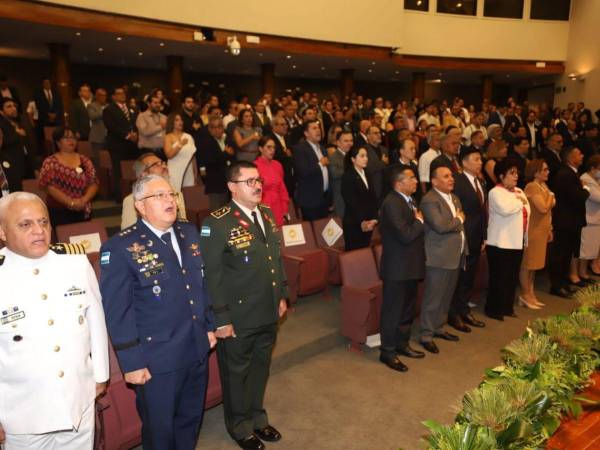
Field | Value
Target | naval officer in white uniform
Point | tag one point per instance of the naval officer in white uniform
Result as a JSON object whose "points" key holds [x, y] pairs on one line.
{"points": [[53, 340]]}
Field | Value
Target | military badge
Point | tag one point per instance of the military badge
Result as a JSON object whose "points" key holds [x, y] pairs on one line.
{"points": [[11, 314], [194, 249], [74, 291]]}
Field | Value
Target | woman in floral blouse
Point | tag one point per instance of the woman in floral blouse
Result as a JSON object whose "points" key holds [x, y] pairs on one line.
{"points": [[69, 179]]}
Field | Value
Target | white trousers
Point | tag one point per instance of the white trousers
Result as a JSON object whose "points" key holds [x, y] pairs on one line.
{"points": [[82, 439]]}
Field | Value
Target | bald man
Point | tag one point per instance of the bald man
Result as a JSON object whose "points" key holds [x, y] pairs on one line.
{"points": [[53, 340]]}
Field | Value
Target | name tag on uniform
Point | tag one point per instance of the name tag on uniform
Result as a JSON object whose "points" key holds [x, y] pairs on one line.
{"points": [[12, 317]]}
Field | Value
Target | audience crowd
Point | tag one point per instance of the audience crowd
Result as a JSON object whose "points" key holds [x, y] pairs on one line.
{"points": [[442, 182]]}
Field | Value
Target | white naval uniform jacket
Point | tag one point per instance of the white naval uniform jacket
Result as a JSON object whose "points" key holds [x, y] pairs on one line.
{"points": [[53, 342]]}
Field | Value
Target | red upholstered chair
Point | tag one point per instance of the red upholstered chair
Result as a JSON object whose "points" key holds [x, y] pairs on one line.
{"points": [[104, 172], [196, 204], [32, 185], [306, 265], [127, 177], [334, 251], [378, 251], [64, 233], [361, 295]]}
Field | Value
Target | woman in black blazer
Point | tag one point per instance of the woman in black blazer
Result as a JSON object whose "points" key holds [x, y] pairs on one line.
{"points": [[360, 212]]}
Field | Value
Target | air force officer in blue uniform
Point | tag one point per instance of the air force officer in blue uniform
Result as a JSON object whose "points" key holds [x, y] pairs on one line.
{"points": [[159, 316]]}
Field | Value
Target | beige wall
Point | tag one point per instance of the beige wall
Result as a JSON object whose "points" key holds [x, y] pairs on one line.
{"points": [[583, 57], [384, 23]]}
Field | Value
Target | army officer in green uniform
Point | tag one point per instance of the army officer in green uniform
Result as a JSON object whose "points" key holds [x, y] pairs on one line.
{"points": [[248, 287]]}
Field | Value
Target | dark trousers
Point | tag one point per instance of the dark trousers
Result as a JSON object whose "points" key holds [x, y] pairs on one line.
{"points": [[504, 265], [355, 237], [564, 246], [171, 406], [466, 280], [397, 313], [315, 213], [244, 363]]}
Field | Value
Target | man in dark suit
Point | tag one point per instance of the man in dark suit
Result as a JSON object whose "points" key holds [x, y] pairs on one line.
{"points": [[551, 154], [79, 118], [588, 142], [159, 316], [311, 166], [534, 134], [469, 189], [445, 248], [50, 108], [213, 157], [450, 146], [248, 287], [518, 154], [568, 218], [327, 115], [402, 266], [283, 152], [296, 135], [13, 158], [192, 123], [121, 136], [7, 91], [378, 157]]}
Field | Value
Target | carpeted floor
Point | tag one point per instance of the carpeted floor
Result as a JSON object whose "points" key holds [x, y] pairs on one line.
{"points": [[321, 396]]}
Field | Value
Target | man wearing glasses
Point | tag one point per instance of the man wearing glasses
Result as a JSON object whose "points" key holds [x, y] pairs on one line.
{"points": [[248, 287], [148, 164], [159, 316]]}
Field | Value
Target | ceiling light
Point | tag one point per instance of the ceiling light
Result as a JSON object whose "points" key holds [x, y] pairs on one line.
{"points": [[78, 33], [162, 44], [288, 56], [293, 67], [459, 5], [140, 53], [370, 70], [397, 72], [260, 54], [119, 38], [100, 49], [419, 2], [373, 63]]}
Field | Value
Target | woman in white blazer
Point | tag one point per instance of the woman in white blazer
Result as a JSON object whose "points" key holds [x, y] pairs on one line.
{"points": [[509, 213], [590, 234]]}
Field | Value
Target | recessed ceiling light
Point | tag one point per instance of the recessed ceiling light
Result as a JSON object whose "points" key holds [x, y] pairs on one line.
{"points": [[162, 44], [508, 75], [260, 54], [226, 51], [419, 2], [459, 5], [370, 70], [119, 38], [140, 53], [397, 72], [288, 56], [293, 67], [100, 49], [78, 33], [322, 68], [373, 63]]}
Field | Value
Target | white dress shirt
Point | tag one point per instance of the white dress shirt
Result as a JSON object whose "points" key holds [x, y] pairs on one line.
{"points": [[531, 127], [159, 234], [363, 176], [324, 171]]}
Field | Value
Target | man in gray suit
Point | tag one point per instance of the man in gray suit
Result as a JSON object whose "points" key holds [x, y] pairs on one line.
{"points": [[344, 142], [97, 129], [445, 248]]}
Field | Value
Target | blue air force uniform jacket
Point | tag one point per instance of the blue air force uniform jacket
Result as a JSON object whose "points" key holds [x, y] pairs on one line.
{"points": [[158, 312]]}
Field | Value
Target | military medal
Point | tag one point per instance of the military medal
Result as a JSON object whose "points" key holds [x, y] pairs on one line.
{"points": [[244, 223], [156, 290]]}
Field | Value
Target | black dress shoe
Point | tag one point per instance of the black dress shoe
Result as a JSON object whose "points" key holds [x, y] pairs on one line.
{"points": [[446, 336], [393, 362], [571, 288], [560, 292], [579, 284], [588, 281], [499, 317], [430, 346], [410, 352], [458, 324], [251, 442], [470, 320], [268, 433]]}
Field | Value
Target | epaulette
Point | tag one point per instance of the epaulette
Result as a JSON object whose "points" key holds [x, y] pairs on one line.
{"points": [[263, 205], [2, 258], [128, 230], [221, 212], [63, 248]]}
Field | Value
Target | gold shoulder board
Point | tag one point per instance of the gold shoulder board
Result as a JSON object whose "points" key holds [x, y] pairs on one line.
{"points": [[221, 212], [263, 205], [63, 248]]}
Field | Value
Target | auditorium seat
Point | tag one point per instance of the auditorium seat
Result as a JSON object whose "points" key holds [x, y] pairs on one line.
{"points": [[196, 204], [84, 148], [293, 212], [333, 251], [306, 265], [127, 177], [361, 296], [32, 185], [104, 172], [378, 251]]}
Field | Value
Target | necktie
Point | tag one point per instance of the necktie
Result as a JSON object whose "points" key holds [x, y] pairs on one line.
{"points": [[412, 204], [49, 97], [125, 110], [166, 238], [479, 193], [257, 223]]}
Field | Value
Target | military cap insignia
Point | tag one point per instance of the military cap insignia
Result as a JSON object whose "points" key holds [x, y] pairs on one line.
{"points": [[63, 248], [221, 212], [2, 258]]}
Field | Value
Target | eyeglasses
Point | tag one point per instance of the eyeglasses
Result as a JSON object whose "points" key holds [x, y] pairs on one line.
{"points": [[154, 164], [250, 182], [162, 196]]}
